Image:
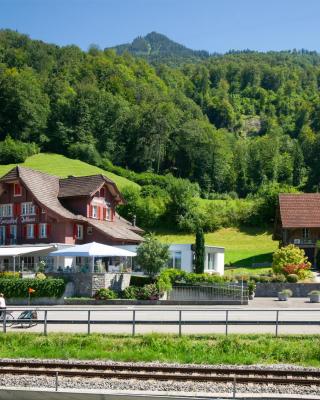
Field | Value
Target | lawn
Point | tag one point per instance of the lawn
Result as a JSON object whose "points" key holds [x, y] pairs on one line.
{"points": [[243, 246], [56, 164], [213, 349]]}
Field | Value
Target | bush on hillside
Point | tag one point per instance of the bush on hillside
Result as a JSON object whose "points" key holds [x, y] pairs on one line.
{"points": [[105, 294], [85, 152], [15, 151]]}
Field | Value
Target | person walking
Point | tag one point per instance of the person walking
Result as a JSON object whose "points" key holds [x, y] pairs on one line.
{"points": [[2, 305]]}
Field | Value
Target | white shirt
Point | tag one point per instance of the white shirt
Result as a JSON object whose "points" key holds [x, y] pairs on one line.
{"points": [[2, 302]]}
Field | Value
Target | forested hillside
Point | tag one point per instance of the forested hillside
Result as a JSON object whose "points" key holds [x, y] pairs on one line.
{"points": [[232, 123]]}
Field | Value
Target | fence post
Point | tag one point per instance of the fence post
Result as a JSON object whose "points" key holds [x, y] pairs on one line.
{"points": [[45, 322], [180, 317], [277, 323], [234, 388], [57, 383], [89, 321], [227, 319], [133, 322], [4, 322]]}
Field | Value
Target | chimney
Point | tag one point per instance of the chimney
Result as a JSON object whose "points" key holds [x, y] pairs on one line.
{"points": [[134, 220]]}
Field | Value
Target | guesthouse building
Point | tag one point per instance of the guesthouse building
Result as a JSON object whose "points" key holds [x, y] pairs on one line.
{"points": [[41, 210], [298, 222]]}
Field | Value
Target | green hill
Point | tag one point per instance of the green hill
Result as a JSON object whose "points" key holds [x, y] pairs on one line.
{"points": [[56, 164]]}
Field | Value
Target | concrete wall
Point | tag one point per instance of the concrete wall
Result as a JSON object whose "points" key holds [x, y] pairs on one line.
{"points": [[271, 289]]}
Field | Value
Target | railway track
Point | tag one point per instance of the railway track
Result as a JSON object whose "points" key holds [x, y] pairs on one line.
{"points": [[162, 373]]}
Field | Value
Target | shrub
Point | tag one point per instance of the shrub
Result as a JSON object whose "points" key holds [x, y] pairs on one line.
{"points": [[292, 278], [149, 292], [140, 281], [9, 275], [85, 152], [15, 151], [286, 292], [302, 270], [131, 292], [278, 278], [163, 283], [43, 288], [288, 255], [105, 294], [40, 275], [314, 292]]}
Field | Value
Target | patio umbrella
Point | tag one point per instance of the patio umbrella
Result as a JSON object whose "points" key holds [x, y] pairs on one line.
{"points": [[92, 249]]}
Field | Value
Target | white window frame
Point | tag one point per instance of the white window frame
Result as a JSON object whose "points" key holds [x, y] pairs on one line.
{"points": [[43, 231], [79, 232], [28, 208], [108, 213], [94, 211], [306, 233], [30, 231], [14, 190], [6, 210]]}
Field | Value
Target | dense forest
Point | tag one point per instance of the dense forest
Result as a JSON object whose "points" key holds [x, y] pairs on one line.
{"points": [[231, 123]]}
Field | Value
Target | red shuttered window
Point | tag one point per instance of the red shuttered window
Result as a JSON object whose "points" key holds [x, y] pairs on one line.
{"points": [[36, 230], [17, 189]]}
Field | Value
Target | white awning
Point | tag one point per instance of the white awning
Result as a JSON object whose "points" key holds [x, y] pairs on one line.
{"points": [[17, 251], [93, 250]]}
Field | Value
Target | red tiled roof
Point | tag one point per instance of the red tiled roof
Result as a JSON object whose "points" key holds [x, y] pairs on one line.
{"points": [[46, 188], [300, 210]]}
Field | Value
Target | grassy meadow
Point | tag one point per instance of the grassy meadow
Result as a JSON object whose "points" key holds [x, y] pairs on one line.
{"points": [[213, 349], [56, 164]]}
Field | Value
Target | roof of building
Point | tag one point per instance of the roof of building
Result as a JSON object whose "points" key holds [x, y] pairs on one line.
{"points": [[46, 188], [300, 210], [75, 186]]}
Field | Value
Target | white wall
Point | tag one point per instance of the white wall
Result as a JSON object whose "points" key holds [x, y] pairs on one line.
{"points": [[187, 256]]}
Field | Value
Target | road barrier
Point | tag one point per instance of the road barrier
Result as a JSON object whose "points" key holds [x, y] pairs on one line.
{"points": [[181, 318]]}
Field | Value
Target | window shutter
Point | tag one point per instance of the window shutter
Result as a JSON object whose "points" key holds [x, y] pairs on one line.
{"points": [[74, 231], [48, 230], [90, 214], [8, 231], [36, 230], [104, 213], [25, 231], [18, 209], [37, 210]]}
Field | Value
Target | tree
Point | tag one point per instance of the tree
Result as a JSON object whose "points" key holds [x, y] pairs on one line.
{"points": [[199, 251], [152, 255]]}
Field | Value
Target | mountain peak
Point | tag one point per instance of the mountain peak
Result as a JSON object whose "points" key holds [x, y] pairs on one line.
{"points": [[157, 47]]}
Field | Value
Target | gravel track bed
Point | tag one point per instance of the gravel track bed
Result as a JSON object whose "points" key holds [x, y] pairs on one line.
{"points": [[151, 385]]}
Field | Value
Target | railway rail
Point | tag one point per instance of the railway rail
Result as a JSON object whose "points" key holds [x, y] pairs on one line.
{"points": [[162, 373]]}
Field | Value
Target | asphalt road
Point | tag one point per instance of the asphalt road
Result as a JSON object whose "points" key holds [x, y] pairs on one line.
{"points": [[299, 313]]}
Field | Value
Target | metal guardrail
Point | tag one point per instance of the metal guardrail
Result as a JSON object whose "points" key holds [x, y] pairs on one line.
{"points": [[179, 322]]}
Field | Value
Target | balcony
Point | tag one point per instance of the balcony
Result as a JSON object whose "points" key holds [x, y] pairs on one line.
{"points": [[303, 241]]}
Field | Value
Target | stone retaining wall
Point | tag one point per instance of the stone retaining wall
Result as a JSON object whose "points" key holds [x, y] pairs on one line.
{"points": [[271, 289], [86, 284]]}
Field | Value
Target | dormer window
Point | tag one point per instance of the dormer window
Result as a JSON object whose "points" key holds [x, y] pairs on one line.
{"points": [[17, 189]]}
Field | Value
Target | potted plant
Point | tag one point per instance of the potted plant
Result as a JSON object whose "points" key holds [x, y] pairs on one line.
{"points": [[284, 294], [251, 289], [314, 296]]}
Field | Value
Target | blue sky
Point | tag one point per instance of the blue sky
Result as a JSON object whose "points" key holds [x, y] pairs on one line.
{"points": [[213, 25]]}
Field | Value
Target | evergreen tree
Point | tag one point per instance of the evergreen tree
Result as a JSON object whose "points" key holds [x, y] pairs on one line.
{"points": [[199, 251]]}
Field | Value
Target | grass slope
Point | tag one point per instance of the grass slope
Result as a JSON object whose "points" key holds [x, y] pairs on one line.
{"points": [[213, 349], [56, 164], [242, 246]]}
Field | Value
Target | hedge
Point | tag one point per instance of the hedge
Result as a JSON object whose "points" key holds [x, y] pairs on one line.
{"points": [[140, 281], [43, 288]]}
